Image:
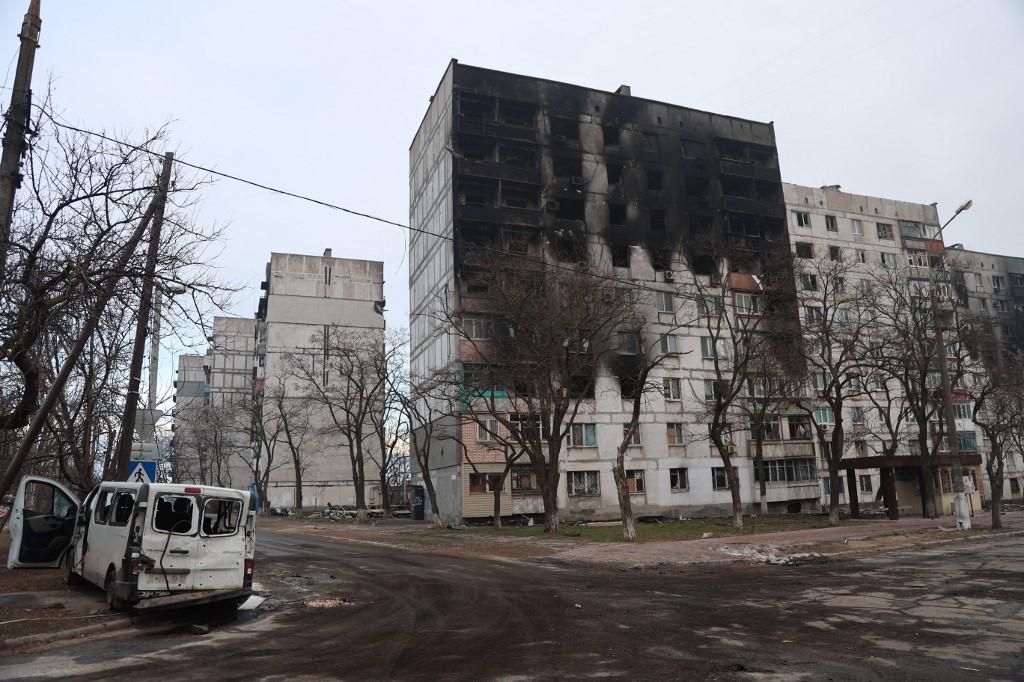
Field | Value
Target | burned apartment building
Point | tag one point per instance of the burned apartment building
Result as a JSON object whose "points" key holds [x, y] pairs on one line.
{"points": [[647, 192]]}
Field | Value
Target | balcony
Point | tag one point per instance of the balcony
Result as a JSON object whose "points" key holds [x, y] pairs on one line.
{"points": [[492, 214], [782, 449], [748, 170], [754, 206], [488, 128], [784, 492], [498, 171]]}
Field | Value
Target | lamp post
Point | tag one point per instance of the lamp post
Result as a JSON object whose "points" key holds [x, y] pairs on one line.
{"points": [[961, 509]]}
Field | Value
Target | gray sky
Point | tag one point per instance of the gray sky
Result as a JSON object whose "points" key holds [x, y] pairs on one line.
{"points": [[921, 101]]}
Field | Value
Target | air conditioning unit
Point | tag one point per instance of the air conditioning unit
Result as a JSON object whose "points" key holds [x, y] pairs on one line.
{"points": [[669, 276]]}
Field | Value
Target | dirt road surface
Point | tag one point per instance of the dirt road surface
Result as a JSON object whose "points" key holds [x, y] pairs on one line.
{"points": [[345, 610]]}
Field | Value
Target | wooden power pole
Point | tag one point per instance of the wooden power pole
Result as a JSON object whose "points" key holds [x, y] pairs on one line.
{"points": [[17, 120], [131, 401]]}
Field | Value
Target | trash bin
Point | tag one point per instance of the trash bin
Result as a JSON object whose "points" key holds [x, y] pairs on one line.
{"points": [[418, 500]]}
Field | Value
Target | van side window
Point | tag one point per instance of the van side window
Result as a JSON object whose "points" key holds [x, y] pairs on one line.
{"points": [[220, 517], [104, 503], [123, 506], [174, 514]]}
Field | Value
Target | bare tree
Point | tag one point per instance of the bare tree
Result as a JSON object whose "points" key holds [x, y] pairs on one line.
{"points": [[426, 403], [283, 419], [836, 316], [389, 421], [533, 363]]}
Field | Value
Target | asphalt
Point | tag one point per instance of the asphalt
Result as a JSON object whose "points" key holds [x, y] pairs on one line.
{"points": [[359, 611]]}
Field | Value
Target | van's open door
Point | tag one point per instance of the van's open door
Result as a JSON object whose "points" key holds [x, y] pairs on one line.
{"points": [[42, 523]]}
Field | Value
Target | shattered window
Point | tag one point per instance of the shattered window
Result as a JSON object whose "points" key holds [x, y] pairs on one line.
{"points": [[175, 514], [220, 517]]}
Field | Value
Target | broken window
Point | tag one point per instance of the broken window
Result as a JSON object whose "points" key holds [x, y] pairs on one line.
{"points": [[654, 179], [649, 142], [737, 187], [611, 135], [628, 343], [104, 503], [634, 438], [519, 196], [524, 479], [487, 429], [478, 329], [515, 155], [808, 282], [616, 214], [516, 243], [614, 172], [679, 479], [856, 226], [565, 128], [620, 256], [675, 433], [220, 517], [831, 223], [802, 219], [697, 188], [484, 483], [567, 168], [884, 231], [122, 511], [174, 514], [582, 435], [669, 344], [665, 301], [835, 253], [583, 483], [787, 471], [477, 106], [635, 480], [799, 427], [889, 260], [478, 193], [516, 113], [657, 218], [661, 259], [568, 209], [804, 250], [473, 150]]}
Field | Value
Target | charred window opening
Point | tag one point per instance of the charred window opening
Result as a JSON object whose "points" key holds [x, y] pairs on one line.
{"points": [[476, 106], [700, 225], [649, 142], [518, 156], [620, 255], [626, 368], [692, 150], [614, 171], [616, 214], [661, 259], [475, 281], [704, 264], [611, 135], [697, 189], [737, 187], [516, 242], [568, 209], [657, 218], [478, 193], [835, 253], [473, 150], [565, 129], [570, 248], [655, 179], [733, 150], [519, 196], [766, 191], [804, 250], [568, 167], [517, 114]]}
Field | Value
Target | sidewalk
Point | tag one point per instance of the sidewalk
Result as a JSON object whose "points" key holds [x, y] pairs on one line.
{"points": [[774, 546]]}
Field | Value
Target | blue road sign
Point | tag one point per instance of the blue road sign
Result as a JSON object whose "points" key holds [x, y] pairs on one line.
{"points": [[141, 471]]}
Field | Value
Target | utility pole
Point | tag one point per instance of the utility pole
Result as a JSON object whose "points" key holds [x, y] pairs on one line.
{"points": [[17, 120], [131, 401], [961, 509]]}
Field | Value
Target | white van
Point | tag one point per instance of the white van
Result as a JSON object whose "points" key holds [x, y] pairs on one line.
{"points": [[147, 544]]}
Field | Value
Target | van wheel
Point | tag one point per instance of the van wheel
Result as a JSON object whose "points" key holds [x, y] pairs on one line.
{"points": [[114, 602], [70, 577]]}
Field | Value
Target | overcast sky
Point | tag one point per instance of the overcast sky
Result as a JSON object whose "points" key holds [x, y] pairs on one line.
{"points": [[921, 101]]}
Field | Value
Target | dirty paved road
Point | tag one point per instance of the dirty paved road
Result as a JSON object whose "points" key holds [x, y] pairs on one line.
{"points": [[944, 612]]}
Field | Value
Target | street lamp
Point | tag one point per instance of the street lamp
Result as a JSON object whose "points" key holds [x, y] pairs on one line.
{"points": [[961, 509]]}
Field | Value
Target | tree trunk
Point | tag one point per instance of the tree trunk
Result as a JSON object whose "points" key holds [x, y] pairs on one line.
{"points": [[997, 503], [732, 479], [833, 497], [995, 477], [497, 507], [428, 483], [761, 474], [927, 477], [621, 487], [550, 497], [298, 488]]}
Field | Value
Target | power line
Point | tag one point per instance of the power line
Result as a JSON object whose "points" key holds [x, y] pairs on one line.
{"points": [[361, 214]]}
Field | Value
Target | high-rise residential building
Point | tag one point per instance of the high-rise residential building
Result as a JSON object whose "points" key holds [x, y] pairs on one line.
{"points": [[306, 300], [643, 190]]}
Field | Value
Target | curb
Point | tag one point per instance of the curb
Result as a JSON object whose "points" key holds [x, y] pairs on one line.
{"points": [[44, 637], [943, 541]]}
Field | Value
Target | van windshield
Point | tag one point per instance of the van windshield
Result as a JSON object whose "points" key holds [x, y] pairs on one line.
{"points": [[220, 517], [174, 514]]}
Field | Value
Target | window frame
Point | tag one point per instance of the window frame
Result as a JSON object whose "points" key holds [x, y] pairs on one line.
{"points": [[193, 528], [677, 473], [672, 388], [239, 522], [585, 429], [574, 490], [637, 476]]}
